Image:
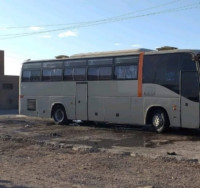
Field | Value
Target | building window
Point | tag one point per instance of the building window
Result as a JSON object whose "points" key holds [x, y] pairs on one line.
{"points": [[7, 86]]}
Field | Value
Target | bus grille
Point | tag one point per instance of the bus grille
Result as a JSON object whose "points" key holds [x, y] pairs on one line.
{"points": [[31, 104]]}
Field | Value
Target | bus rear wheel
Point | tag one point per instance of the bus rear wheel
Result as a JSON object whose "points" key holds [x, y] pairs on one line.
{"points": [[160, 121], [59, 115]]}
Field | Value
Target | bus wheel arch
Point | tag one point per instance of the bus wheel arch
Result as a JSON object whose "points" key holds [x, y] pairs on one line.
{"points": [[58, 113], [158, 117]]}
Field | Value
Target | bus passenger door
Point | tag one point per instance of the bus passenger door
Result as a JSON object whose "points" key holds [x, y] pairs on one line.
{"points": [[81, 101], [189, 99]]}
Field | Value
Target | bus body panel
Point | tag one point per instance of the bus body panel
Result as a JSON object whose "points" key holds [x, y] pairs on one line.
{"points": [[157, 95], [113, 88], [68, 103], [46, 95], [167, 105], [115, 100], [189, 113]]}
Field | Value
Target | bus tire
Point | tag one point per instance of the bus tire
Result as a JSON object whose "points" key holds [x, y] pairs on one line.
{"points": [[160, 120], [59, 115]]}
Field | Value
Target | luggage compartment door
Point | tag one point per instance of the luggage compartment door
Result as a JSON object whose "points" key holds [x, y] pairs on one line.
{"points": [[81, 101], [189, 99]]}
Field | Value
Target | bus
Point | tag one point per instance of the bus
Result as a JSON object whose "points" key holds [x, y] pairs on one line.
{"points": [[157, 87]]}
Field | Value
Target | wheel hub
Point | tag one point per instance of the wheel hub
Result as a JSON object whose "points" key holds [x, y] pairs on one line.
{"points": [[157, 121], [59, 115]]}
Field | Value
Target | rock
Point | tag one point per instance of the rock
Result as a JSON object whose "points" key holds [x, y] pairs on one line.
{"points": [[55, 134], [28, 126], [171, 153], [84, 148]]}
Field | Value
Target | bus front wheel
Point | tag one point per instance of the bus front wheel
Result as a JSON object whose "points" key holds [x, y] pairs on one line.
{"points": [[59, 115], [160, 121]]}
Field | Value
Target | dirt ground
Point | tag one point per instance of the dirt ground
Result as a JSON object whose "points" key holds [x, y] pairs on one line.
{"points": [[36, 153]]}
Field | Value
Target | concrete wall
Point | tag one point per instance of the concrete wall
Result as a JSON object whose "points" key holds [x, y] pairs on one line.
{"points": [[9, 88]]}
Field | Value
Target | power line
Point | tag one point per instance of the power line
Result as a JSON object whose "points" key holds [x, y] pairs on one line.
{"points": [[105, 21], [88, 22]]}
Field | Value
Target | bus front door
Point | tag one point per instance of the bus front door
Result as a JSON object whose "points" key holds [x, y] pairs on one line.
{"points": [[81, 101], [189, 99]]}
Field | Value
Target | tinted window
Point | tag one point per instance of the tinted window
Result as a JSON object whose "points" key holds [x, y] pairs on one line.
{"points": [[93, 73], [163, 70], [26, 76], [100, 61], [46, 75], [35, 75], [190, 86], [105, 73], [128, 60], [31, 75], [75, 63], [126, 72], [56, 74], [187, 63], [52, 74], [99, 73], [68, 74], [79, 74], [31, 65], [55, 64]]}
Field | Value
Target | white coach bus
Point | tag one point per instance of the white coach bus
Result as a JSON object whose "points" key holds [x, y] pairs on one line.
{"points": [[125, 87]]}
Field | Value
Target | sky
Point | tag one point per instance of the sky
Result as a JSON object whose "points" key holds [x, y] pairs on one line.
{"points": [[43, 29]]}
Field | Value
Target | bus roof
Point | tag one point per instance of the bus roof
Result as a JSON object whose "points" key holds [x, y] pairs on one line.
{"points": [[116, 53]]}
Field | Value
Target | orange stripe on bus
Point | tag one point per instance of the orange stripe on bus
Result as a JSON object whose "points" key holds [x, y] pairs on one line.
{"points": [[141, 58]]}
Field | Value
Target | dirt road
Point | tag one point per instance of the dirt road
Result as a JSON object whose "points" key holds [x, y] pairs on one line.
{"points": [[36, 153]]}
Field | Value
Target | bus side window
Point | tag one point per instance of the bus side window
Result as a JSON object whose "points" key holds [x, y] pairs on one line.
{"points": [[128, 72], [105, 73], [186, 62], [26, 76], [120, 72], [93, 73], [35, 75], [99, 73], [162, 70], [52, 74], [79, 74], [68, 74], [46, 74], [56, 74]]}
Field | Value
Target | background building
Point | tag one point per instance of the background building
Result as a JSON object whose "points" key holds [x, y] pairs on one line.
{"points": [[9, 88]]}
